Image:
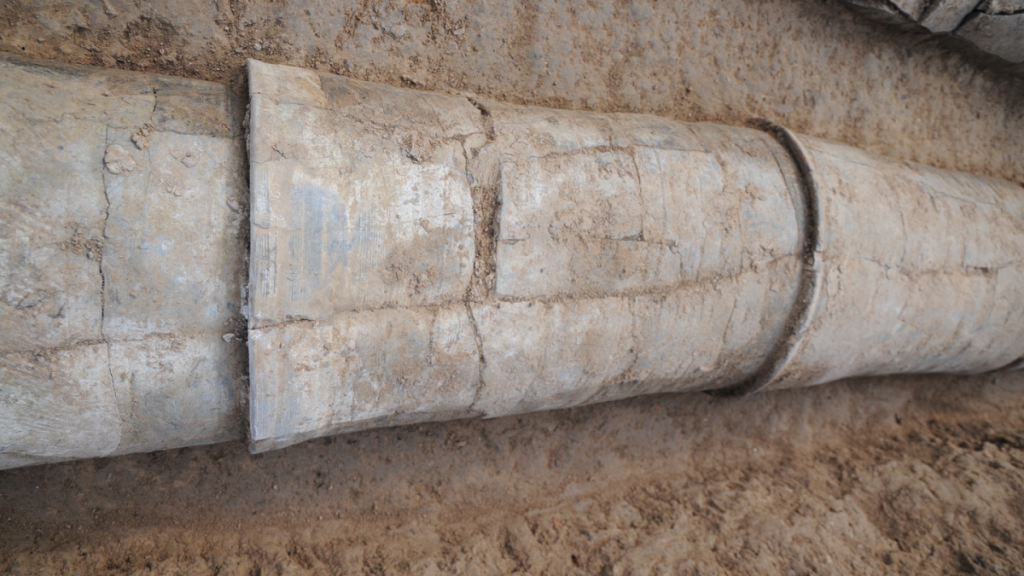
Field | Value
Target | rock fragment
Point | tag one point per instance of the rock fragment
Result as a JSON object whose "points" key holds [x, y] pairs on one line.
{"points": [[946, 15], [118, 160], [141, 137], [999, 34]]}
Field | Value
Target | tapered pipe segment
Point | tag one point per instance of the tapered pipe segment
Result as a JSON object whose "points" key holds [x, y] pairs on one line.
{"points": [[123, 238], [420, 256]]}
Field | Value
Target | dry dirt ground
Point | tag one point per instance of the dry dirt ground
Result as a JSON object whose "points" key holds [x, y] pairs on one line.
{"points": [[913, 475]]}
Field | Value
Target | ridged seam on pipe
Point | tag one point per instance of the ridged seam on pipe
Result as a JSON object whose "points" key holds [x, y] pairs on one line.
{"points": [[810, 273]]}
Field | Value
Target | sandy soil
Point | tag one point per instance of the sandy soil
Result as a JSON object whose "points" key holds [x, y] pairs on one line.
{"points": [[901, 475]]}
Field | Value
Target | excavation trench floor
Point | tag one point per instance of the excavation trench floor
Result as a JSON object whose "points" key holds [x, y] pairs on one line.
{"points": [[908, 475]]}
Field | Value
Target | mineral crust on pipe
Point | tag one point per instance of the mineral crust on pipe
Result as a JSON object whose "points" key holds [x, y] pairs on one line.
{"points": [[122, 254]]}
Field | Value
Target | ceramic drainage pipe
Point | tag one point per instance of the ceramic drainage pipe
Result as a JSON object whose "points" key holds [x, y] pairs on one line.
{"points": [[417, 257]]}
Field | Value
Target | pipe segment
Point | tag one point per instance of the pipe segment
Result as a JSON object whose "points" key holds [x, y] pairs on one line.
{"points": [[123, 240], [432, 257], [418, 257]]}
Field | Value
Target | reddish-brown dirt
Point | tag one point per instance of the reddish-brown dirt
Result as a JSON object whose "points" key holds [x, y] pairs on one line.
{"points": [[910, 475]]}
